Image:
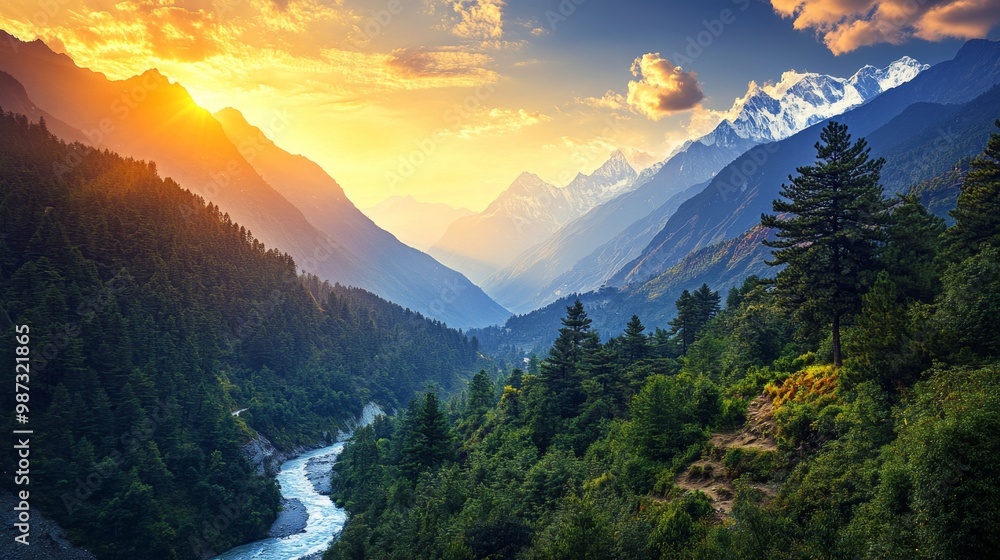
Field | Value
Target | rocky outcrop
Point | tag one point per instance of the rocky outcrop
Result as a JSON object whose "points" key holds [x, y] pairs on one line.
{"points": [[262, 454]]}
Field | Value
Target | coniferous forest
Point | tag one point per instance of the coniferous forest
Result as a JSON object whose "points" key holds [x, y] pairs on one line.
{"points": [[845, 408], [153, 317]]}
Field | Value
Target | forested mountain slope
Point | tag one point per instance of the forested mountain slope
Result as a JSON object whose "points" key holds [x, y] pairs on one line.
{"points": [[735, 434], [304, 214], [152, 317]]}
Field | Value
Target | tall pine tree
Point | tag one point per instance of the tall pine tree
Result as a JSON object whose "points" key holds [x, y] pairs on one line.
{"points": [[429, 441], [694, 311], [635, 344], [977, 211], [829, 232], [683, 327], [559, 371]]}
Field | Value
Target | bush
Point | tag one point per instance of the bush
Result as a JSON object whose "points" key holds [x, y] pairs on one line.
{"points": [[757, 464]]}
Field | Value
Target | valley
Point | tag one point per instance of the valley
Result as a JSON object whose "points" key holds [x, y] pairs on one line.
{"points": [[490, 280]]}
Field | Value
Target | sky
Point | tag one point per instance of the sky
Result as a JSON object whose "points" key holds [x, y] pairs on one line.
{"points": [[450, 100]]}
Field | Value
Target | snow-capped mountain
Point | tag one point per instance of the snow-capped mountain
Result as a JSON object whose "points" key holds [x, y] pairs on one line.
{"points": [[529, 199], [776, 111], [526, 213], [615, 177], [590, 249], [870, 81]]}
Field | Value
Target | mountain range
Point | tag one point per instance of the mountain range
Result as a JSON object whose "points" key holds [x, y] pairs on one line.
{"points": [[927, 129], [525, 214], [149, 117], [585, 253]]}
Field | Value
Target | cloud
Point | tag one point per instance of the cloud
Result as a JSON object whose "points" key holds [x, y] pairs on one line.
{"points": [[243, 45], [846, 25], [610, 100], [497, 121], [443, 67], [480, 20], [662, 88]]}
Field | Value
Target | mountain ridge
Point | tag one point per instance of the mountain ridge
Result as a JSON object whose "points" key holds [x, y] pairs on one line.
{"points": [[765, 113], [150, 118]]}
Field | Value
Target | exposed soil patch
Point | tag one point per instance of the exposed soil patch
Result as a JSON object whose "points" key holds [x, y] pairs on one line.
{"points": [[709, 475]]}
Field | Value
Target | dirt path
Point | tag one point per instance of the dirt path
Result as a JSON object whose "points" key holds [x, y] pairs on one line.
{"points": [[708, 474]]}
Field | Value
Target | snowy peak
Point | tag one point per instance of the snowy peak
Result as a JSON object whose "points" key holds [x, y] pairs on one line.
{"points": [[527, 185], [528, 198], [897, 73], [615, 169], [611, 179], [775, 111]]}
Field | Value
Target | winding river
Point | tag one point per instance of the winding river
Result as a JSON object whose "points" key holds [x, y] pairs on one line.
{"points": [[325, 520]]}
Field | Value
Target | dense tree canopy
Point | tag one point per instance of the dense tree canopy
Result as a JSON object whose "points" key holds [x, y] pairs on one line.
{"points": [[604, 451]]}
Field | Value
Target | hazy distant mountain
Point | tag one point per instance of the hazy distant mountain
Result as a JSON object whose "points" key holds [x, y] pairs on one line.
{"points": [[418, 224], [588, 251], [16, 100], [525, 214], [639, 160], [393, 270], [615, 177], [148, 117]]}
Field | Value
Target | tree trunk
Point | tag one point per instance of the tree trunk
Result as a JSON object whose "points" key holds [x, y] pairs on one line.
{"points": [[837, 361]]}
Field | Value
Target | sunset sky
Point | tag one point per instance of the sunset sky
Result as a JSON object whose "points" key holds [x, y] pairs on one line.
{"points": [[449, 100]]}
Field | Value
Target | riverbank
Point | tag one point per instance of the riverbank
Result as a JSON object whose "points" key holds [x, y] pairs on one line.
{"points": [[309, 520]]}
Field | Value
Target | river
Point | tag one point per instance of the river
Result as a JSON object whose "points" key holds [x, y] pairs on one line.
{"points": [[325, 521]]}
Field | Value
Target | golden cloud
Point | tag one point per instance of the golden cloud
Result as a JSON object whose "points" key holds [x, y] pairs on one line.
{"points": [[662, 88], [242, 45], [610, 100], [846, 25], [498, 121], [442, 67], [480, 20]]}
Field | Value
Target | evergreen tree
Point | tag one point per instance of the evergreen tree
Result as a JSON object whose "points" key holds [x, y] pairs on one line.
{"points": [[706, 306], [977, 211], [480, 397], [635, 344], [829, 231], [694, 311], [559, 371], [911, 255], [683, 326], [429, 441]]}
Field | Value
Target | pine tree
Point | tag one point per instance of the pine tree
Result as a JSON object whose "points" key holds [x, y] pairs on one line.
{"points": [[910, 257], [694, 311], [829, 232], [559, 371], [977, 211], [635, 345], [429, 442], [480, 397], [706, 305], [683, 326]]}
